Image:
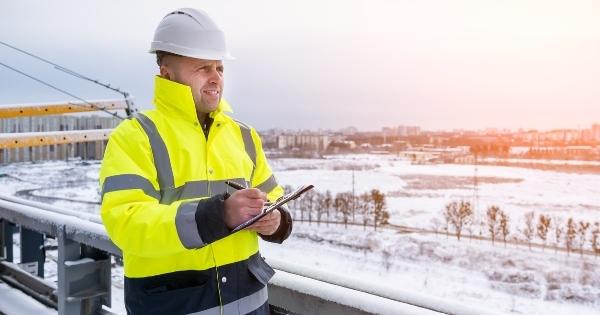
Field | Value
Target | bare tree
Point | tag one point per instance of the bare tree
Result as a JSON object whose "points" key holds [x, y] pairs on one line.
{"points": [[460, 214], [504, 226], [493, 222], [381, 216], [366, 203], [582, 230], [542, 228], [570, 235], [449, 211], [596, 239], [529, 228], [327, 204], [338, 204], [558, 230], [319, 206], [342, 205]]}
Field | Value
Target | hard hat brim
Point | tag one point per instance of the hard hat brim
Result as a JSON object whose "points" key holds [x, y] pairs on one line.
{"points": [[204, 54]]}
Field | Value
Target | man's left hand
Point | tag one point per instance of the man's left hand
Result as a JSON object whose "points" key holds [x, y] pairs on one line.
{"points": [[268, 224]]}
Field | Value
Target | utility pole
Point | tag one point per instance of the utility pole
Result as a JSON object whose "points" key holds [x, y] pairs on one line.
{"points": [[353, 196]]}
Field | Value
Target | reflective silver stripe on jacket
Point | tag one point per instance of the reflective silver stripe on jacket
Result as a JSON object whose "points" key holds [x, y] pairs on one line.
{"points": [[244, 305], [248, 144], [268, 184], [160, 154], [190, 190], [199, 188], [129, 181], [187, 229]]}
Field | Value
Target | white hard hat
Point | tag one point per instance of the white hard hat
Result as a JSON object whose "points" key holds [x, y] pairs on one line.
{"points": [[192, 33]]}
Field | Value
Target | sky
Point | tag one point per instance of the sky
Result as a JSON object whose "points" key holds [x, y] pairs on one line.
{"points": [[438, 64]]}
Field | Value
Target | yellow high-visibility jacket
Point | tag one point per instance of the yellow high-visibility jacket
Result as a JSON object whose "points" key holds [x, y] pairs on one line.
{"points": [[163, 190]]}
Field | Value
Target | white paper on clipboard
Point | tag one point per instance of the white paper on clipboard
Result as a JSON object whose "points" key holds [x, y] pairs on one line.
{"points": [[281, 201]]}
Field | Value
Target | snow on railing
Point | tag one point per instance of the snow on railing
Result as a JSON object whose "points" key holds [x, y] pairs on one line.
{"points": [[391, 293], [83, 215]]}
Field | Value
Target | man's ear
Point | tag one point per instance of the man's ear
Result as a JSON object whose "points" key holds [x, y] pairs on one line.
{"points": [[164, 72]]}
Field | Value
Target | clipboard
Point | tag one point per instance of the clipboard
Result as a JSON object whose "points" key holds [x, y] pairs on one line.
{"points": [[281, 201]]}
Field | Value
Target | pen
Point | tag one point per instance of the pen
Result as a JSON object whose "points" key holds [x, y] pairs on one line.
{"points": [[234, 185]]}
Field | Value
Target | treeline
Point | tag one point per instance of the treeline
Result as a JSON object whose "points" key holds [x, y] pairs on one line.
{"points": [[458, 217], [366, 209]]}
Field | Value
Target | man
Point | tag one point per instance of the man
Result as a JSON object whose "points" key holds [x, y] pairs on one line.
{"points": [[165, 203]]}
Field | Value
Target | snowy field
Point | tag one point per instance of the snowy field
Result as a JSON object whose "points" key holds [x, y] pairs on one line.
{"points": [[417, 193], [511, 280]]}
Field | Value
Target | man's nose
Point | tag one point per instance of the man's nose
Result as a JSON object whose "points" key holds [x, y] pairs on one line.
{"points": [[215, 76]]}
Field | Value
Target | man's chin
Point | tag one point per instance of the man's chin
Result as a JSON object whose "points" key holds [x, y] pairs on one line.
{"points": [[207, 109], [211, 105], [212, 108]]}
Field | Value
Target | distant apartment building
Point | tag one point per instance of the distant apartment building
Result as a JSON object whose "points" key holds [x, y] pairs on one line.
{"points": [[561, 135], [570, 151], [84, 150], [431, 154], [409, 131], [402, 131], [314, 142]]}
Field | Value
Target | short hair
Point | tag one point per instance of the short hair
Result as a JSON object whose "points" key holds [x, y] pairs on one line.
{"points": [[161, 54]]}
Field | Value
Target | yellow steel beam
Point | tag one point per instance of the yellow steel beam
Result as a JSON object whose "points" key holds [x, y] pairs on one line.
{"points": [[12, 111], [31, 139]]}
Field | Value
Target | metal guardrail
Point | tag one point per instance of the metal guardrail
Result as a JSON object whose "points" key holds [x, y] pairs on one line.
{"points": [[33, 139], [84, 271], [84, 265], [13, 111]]}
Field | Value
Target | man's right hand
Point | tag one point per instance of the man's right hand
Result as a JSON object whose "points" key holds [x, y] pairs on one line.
{"points": [[243, 205]]}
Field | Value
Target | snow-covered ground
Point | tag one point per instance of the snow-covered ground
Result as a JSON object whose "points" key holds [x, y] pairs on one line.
{"points": [[512, 280], [417, 193]]}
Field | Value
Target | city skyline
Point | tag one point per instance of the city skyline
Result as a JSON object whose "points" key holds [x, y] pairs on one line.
{"points": [[594, 127]]}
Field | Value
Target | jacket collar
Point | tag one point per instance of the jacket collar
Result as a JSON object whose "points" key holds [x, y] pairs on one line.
{"points": [[175, 99]]}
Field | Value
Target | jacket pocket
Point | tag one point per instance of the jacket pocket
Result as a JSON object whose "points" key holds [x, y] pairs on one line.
{"points": [[175, 300], [176, 293], [175, 286], [259, 268], [166, 290]]}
